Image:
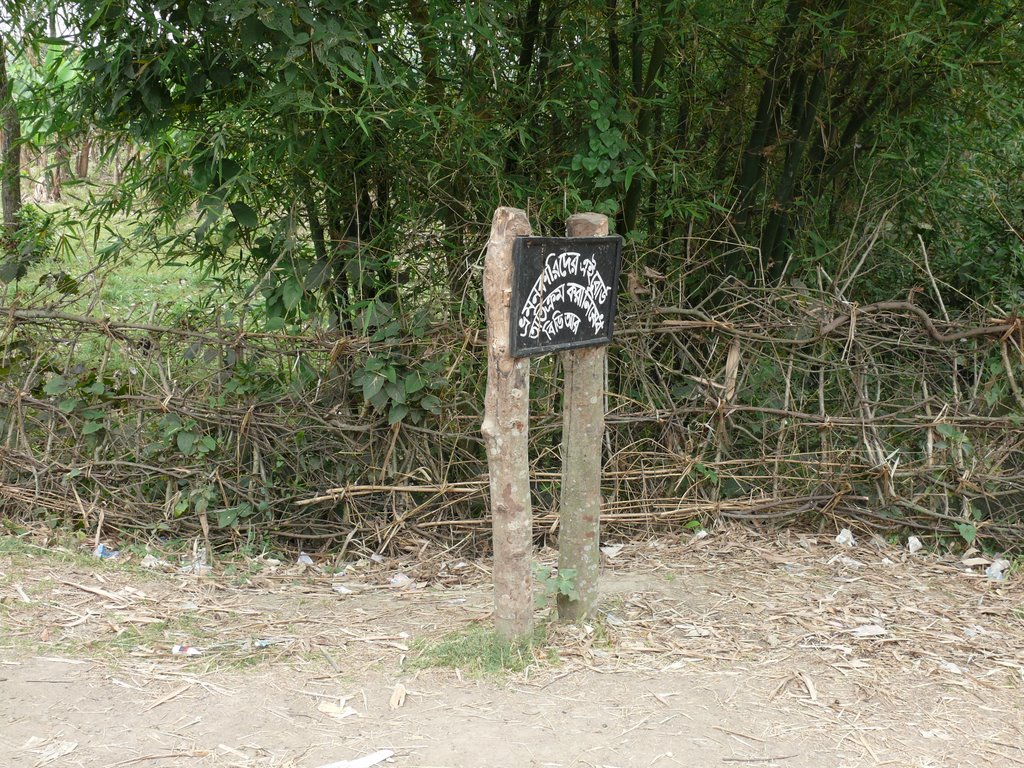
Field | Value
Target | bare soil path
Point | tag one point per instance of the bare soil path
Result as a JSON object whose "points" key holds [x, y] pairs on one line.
{"points": [[732, 650]]}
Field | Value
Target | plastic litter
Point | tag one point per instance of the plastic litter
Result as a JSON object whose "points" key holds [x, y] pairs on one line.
{"points": [[103, 552], [269, 641], [612, 550], [869, 630], [847, 561], [198, 565], [339, 710], [341, 589], [304, 559], [692, 630], [914, 545], [362, 762], [997, 571], [400, 581], [185, 650], [701, 534], [154, 563], [49, 750], [845, 538]]}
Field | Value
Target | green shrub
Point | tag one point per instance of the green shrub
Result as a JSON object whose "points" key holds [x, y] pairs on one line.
{"points": [[31, 241]]}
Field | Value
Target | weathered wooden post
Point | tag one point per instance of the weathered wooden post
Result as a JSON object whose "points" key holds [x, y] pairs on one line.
{"points": [[582, 434], [505, 431], [547, 294]]}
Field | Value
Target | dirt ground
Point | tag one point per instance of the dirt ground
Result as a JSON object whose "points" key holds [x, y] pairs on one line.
{"points": [[728, 650]]}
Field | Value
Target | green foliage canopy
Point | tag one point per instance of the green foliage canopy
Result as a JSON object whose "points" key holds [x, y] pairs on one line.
{"points": [[338, 142]]}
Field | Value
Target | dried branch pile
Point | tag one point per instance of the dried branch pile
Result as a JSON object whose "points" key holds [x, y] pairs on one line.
{"points": [[772, 406]]}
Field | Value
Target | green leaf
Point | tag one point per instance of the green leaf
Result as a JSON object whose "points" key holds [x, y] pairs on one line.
{"points": [[630, 170], [414, 382], [379, 400], [706, 472], [186, 442], [11, 270], [207, 444], [67, 406], [968, 532], [372, 385], [395, 393], [397, 413], [195, 13], [152, 97], [92, 427], [66, 284], [244, 215], [58, 385], [317, 274], [291, 293], [170, 421], [253, 32]]}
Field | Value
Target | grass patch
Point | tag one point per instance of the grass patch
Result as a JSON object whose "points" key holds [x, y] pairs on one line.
{"points": [[14, 545], [67, 548], [478, 652]]}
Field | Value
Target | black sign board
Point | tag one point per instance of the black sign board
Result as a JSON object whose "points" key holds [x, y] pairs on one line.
{"points": [[563, 293]]}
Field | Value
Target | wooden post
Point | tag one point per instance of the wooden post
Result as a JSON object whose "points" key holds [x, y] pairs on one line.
{"points": [[582, 434], [505, 432]]}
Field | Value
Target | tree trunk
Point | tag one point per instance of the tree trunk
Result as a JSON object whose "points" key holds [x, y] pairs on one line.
{"points": [[10, 147], [82, 162], [643, 93], [765, 121], [775, 234], [579, 525], [505, 431], [614, 62], [340, 253], [58, 172]]}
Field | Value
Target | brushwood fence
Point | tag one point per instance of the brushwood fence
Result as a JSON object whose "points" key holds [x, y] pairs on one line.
{"points": [[775, 406]]}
